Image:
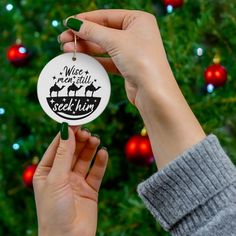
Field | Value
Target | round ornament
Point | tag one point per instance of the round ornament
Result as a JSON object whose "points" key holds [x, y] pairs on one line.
{"points": [[73, 88], [215, 75], [138, 150], [174, 3], [18, 54], [28, 175]]}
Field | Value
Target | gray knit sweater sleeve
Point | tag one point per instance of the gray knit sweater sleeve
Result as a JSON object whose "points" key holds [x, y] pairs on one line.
{"points": [[196, 193]]}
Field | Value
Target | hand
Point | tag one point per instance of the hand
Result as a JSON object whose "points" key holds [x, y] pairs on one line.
{"points": [[132, 41], [66, 192]]}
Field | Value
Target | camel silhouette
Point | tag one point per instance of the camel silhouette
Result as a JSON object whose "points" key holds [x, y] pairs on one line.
{"points": [[91, 88], [55, 88], [74, 88]]}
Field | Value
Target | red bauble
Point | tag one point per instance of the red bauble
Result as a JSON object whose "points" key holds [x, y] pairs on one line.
{"points": [[28, 175], [216, 75], [138, 150], [174, 3], [18, 55]]}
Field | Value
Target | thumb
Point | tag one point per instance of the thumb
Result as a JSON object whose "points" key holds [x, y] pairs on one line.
{"points": [[87, 30], [64, 155]]}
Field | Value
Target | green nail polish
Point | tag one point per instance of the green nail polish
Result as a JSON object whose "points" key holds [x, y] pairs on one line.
{"points": [[58, 39], [104, 148], [74, 24], [96, 136], [85, 129], [64, 131], [62, 46]]}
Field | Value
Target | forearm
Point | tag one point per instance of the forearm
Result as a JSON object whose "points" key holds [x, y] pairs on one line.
{"points": [[170, 123]]}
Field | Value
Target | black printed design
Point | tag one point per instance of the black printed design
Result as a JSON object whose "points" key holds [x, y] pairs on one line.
{"points": [[77, 90], [74, 88], [56, 88], [91, 88], [73, 108]]}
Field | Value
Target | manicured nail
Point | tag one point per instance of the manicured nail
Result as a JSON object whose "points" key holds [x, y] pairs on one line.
{"points": [[96, 136], [64, 22], [74, 24], [62, 46], [64, 131], [85, 129], [58, 38], [104, 148]]}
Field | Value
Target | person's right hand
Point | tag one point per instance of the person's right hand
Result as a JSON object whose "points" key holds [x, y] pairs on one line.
{"points": [[133, 42], [130, 38]]}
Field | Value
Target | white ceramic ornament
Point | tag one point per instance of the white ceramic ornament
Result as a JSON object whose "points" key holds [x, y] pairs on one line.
{"points": [[73, 88]]}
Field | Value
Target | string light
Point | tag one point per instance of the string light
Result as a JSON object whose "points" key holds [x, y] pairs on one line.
{"points": [[210, 88], [169, 8], [16, 146], [2, 111], [200, 52], [9, 7], [22, 50], [55, 23]]}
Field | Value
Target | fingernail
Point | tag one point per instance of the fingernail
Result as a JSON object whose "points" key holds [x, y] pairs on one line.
{"points": [[64, 22], [95, 135], [74, 24], [85, 129], [62, 46], [58, 38], [64, 131], [104, 148]]}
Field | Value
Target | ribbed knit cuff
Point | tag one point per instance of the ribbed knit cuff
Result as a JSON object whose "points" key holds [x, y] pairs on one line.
{"points": [[180, 194]]}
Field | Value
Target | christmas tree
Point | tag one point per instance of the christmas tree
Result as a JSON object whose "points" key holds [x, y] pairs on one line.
{"points": [[200, 42]]}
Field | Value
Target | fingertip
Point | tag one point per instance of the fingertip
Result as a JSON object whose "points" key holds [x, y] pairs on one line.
{"points": [[75, 128], [62, 46], [64, 131], [104, 148], [102, 154], [64, 21], [98, 169], [73, 24], [85, 130], [66, 36], [71, 131], [82, 135], [59, 38], [94, 140]]}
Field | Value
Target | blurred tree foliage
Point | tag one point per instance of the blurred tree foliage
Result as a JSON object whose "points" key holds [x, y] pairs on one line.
{"points": [[202, 23]]}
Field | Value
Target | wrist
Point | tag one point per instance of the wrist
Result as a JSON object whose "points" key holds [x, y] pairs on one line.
{"points": [[50, 233], [45, 231], [171, 125], [157, 90], [155, 80]]}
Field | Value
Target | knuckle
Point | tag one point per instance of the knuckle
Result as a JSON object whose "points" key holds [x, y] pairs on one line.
{"points": [[149, 16], [139, 12], [36, 175], [152, 17], [105, 21], [60, 152], [88, 29]]}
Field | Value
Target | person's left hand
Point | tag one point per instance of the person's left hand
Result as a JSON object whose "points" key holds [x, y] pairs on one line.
{"points": [[66, 192]]}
